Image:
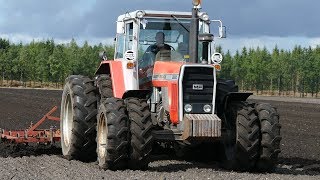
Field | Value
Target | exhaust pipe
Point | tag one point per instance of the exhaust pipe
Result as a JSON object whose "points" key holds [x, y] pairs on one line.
{"points": [[193, 38]]}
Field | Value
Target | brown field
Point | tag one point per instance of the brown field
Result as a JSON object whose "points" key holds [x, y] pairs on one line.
{"points": [[299, 159]]}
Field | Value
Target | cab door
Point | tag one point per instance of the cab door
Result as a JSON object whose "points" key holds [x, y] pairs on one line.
{"points": [[126, 50]]}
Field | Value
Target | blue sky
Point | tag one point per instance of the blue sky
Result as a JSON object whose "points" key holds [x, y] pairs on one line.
{"points": [[250, 22]]}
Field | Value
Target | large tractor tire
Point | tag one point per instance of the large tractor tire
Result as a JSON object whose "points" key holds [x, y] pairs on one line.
{"points": [[241, 141], [270, 137], [104, 84], [141, 133], [78, 118], [112, 134], [223, 88]]}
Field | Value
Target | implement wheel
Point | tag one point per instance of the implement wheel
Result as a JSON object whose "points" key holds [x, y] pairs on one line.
{"points": [[78, 118], [112, 134]]}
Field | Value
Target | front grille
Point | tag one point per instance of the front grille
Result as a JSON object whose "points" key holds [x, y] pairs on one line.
{"points": [[197, 86]]}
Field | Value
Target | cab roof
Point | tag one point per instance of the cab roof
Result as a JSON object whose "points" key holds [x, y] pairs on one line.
{"points": [[152, 13]]}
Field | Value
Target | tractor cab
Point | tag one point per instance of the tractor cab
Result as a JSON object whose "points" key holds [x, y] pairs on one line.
{"points": [[138, 30], [145, 37]]}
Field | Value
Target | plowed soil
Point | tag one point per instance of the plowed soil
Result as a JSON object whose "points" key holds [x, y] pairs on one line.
{"points": [[299, 159]]}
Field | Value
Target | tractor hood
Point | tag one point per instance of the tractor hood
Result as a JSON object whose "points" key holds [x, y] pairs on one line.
{"points": [[166, 71]]}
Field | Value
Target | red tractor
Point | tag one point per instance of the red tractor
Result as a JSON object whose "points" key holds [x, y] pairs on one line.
{"points": [[161, 88]]}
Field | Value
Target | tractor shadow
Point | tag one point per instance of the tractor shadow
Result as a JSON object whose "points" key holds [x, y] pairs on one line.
{"points": [[286, 166], [20, 150], [298, 166]]}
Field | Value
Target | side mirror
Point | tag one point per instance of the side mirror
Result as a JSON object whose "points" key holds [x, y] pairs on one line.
{"points": [[103, 56], [222, 29], [222, 32]]}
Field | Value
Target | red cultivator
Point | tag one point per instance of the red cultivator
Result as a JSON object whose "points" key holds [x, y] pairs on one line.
{"points": [[32, 134]]}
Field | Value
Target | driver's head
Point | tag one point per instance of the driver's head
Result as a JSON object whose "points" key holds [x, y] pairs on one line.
{"points": [[159, 37]]}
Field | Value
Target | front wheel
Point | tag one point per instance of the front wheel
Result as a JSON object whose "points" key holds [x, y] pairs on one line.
{"points": [[141, 133], [112, 134], [270, 136], [242, 137]]}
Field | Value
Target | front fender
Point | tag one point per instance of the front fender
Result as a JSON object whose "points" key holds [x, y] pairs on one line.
{"points": [[115, 69], [235, 96], [141, 94]]}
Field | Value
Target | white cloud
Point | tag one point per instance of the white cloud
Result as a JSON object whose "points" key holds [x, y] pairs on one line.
{"points": [[25, 38], [314, 42]]}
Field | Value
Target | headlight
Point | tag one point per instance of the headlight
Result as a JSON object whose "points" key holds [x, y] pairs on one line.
{"points": [[188, 108], [140, 14], [207, 108]]}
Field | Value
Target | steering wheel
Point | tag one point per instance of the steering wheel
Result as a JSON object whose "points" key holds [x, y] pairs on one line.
{"points": [[172, 48]]}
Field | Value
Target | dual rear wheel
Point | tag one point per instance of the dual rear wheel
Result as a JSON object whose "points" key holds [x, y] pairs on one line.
{"points": [[252, 133], [117, 132]]}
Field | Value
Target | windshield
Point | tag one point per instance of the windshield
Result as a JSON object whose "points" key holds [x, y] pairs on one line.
{"points": [[163, 40]]}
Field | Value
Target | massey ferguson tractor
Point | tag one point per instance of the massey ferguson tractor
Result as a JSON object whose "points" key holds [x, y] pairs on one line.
{"points": [[161, 89]]}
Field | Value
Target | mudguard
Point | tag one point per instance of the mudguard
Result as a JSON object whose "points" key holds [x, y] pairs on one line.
{"points": [[235, 96], [115, 69], [141, 94]]}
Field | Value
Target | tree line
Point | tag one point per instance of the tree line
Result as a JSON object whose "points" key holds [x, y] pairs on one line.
{"points": [[47, 61], [279, 72]]}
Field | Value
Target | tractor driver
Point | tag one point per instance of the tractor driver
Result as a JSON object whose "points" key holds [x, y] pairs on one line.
{"points": [[151, 52], [159, 45]]}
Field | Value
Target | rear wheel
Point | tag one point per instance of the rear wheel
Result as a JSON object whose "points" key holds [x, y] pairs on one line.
{"points": [[78, 118], [104, 84], [242, 137], [270, 136], [112, 134], [141, 133], [223, 88]]}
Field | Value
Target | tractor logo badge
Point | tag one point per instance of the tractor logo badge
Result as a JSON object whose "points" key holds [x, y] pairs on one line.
{"points": [[198, 87]]}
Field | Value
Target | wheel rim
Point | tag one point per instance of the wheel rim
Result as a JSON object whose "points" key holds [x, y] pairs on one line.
{"points": [[102, 137], [67, 120]]}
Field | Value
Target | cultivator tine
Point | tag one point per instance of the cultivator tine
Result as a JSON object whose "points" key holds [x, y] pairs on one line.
{"points": [[32, 134]]}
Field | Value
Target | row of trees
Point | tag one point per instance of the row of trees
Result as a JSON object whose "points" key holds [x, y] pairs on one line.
{"points": [[46, 61], [278, 72], [295, 71]]}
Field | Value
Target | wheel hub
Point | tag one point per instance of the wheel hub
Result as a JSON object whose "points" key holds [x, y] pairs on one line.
{"points": [[67, 120], [102, 136]]}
